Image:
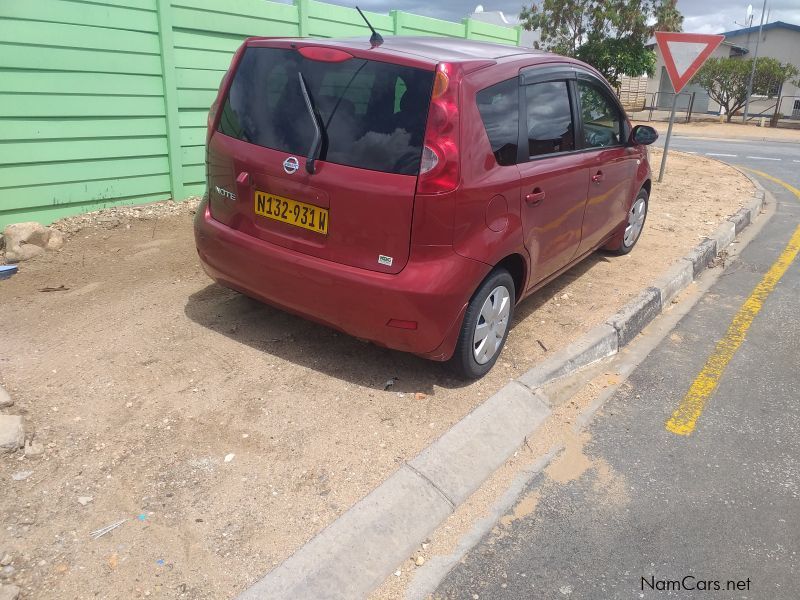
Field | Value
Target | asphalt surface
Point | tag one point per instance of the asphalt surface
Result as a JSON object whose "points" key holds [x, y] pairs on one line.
{"points": [[779, 159], [657, 513]]}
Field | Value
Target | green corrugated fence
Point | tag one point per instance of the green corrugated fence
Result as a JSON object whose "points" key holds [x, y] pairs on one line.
{"points": [[105, 102]]}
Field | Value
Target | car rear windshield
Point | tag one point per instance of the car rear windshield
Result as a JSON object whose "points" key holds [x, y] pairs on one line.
{"points": [[373, 113]]}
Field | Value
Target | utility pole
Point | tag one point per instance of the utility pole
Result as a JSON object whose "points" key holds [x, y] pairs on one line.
{"points": [[753, 70]]}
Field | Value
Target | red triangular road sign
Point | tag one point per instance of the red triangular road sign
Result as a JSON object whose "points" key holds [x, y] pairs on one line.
{"points": [[685, 53]]}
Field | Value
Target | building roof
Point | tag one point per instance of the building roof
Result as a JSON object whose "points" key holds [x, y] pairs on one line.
{"points": [[651, 43], [745, 31], [766, 27]]}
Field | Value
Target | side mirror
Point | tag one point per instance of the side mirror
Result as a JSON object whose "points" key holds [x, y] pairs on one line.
{"points": [[643, 135]]}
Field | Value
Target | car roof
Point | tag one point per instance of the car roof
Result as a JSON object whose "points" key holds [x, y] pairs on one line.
{"points": [[430, 48]]}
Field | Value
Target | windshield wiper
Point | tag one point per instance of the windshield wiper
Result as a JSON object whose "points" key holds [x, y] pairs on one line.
{"points": [[319, 127]]}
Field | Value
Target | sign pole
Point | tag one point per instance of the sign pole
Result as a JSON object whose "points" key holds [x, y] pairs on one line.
{"points": [[669, 135]]}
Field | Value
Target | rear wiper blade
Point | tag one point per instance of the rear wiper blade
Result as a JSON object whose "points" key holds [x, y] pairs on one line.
{"points": [[319, 128]]}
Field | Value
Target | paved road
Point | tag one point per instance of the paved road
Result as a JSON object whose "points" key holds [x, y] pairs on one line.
{"points": [[780, 159], [719, 505]]}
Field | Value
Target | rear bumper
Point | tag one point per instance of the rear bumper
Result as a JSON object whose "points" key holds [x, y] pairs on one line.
{"points": [[432, 290]]}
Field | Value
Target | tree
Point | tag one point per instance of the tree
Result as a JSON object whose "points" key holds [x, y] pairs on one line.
{"points": [[608, 34], [563, 24], [725, 80], [668, 17], [615, 57]]}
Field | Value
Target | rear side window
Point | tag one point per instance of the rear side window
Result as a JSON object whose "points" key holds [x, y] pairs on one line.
{"points": [[602, 121], [374, 113], [550, 126], [499, 109]]}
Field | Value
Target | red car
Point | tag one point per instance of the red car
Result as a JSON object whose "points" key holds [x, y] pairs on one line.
{"points": [[412, 193]]}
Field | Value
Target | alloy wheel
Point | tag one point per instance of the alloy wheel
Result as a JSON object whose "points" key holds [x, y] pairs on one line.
{"points": [[492, 324], [636, 218]]}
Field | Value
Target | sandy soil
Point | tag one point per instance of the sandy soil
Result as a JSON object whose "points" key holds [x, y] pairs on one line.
{"points": [[228, 433], [710, 129]]}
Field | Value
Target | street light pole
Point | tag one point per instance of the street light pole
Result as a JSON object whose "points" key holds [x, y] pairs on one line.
{"points": [[753, 70]]}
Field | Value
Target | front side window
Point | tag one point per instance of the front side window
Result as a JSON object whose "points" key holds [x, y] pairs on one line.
{"points": [[374, 113], [499, 108], [602, 121], [550, 126]]}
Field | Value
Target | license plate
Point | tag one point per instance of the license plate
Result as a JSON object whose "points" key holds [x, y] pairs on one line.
{"points": [[292, 212]]}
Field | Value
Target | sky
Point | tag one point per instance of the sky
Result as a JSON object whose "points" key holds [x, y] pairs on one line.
{"points": [[701, 16]]}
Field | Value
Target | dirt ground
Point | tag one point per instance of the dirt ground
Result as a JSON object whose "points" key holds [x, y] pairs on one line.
{"points": [[226, 432], [711, 129]]}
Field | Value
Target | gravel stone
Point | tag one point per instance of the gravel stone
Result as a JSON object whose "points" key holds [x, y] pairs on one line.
{"points": [[23, 252], [57, 239], [30, 232], [5, 398], [12, 433], [9, 592], [33, 449], [112, 218]]}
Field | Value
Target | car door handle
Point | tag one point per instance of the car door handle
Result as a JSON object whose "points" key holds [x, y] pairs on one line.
{"points": [[245, 179], [598, 177], [535, 197]]}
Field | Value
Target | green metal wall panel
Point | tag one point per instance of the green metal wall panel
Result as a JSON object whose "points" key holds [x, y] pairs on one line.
{"points": [[330, 20], [487, 32], [417, 25], [82, 113], [141, 17], [104, 102]]}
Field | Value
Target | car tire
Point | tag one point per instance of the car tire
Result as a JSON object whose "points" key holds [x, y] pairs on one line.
{"points": [[485, 327], [625, 240]]}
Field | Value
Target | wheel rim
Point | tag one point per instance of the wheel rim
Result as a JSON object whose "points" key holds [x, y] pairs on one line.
{"points": [[491, 326], [635, 221]]}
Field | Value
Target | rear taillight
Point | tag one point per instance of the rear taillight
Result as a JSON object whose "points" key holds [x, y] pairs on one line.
{"points": [[439, 169], [223, 86]]}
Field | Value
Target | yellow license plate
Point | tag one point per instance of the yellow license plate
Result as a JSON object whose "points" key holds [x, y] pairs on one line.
{"points": [[292, 212]]}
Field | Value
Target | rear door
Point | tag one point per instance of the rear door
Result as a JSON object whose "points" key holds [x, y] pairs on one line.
{"points": [[553, 174], [613, 163], [356, 207]]}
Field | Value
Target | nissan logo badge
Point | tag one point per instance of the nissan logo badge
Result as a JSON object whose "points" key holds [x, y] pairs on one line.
{"points": [[291, 164]]}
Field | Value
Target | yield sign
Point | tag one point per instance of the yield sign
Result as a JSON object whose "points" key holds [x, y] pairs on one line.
{"points": [[685, 53]]}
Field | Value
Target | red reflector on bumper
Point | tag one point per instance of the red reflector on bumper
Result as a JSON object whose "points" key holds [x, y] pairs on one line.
{"points": [[402, 324]]}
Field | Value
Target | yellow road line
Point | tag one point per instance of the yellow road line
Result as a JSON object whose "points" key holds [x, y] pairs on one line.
{"points": [[789, 187], [684, 419]]}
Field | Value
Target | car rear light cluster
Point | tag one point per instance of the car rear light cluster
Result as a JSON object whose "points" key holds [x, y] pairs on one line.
{"points": [[439, 168]]}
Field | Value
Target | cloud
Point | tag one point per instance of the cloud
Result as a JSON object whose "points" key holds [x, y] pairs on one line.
{"points": [[709, 16]]}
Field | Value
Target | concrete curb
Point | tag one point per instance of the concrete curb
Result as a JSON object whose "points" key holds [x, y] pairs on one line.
{"points": [[701, 255], [677, 277], [354, 554], [597, 344], [651, 302], [634, 316], [361, 548]]}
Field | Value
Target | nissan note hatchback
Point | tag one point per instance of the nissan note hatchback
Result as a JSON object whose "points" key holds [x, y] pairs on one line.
{"points": [[412, 193]]}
